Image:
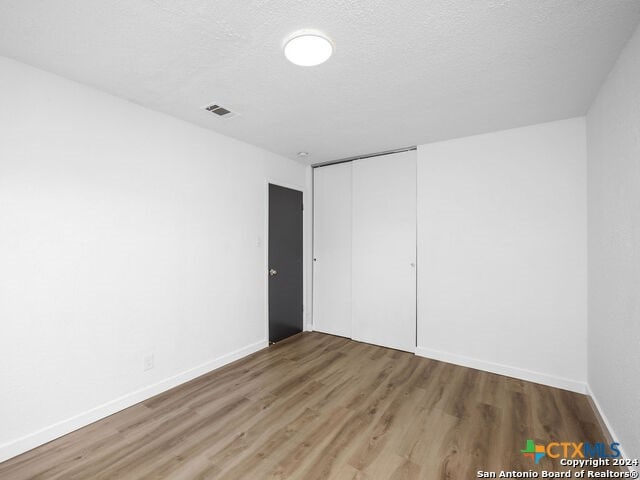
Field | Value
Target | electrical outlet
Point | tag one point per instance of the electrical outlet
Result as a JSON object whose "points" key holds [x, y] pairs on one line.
{"points": [[148, 362]]}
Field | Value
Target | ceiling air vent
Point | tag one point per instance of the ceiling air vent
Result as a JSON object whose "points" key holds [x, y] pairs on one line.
{"points": [[219, 111]]}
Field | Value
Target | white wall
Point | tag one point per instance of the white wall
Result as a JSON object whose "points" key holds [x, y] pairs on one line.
{"points": [[613, 133], [502, 252], [123, 232]]}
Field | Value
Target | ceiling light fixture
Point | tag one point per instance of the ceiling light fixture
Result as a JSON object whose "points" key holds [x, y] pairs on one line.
{"points": [[303, 154], [307, 48]]}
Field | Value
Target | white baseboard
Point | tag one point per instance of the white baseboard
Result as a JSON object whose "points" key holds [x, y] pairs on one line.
{"points": [[35, 439], [609, 426], [509, 371]]}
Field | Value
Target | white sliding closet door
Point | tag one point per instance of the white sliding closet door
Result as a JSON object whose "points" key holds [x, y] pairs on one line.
{"points": [[384, 250], [332, 249]]}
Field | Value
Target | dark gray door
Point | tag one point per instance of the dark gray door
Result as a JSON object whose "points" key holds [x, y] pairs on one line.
{"points": [[285, 262]]}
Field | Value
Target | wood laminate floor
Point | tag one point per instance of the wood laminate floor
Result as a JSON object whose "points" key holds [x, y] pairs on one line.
{"points": [[322, 407]]}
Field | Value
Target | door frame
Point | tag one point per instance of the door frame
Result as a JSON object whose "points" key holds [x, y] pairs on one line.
{"points": [[305, 251]]}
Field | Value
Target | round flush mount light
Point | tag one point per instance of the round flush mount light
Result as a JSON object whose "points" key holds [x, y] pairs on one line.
{"points": [[307, 48], [303, 154]]}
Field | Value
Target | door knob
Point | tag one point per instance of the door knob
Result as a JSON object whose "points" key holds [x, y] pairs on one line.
{"points": [[272, 272]]}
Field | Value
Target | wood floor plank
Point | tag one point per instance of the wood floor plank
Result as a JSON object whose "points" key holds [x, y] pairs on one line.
{"points": [[317, 406]]}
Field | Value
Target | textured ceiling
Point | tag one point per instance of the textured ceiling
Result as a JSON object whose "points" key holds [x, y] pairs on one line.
{"points": [[403, 73]]}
